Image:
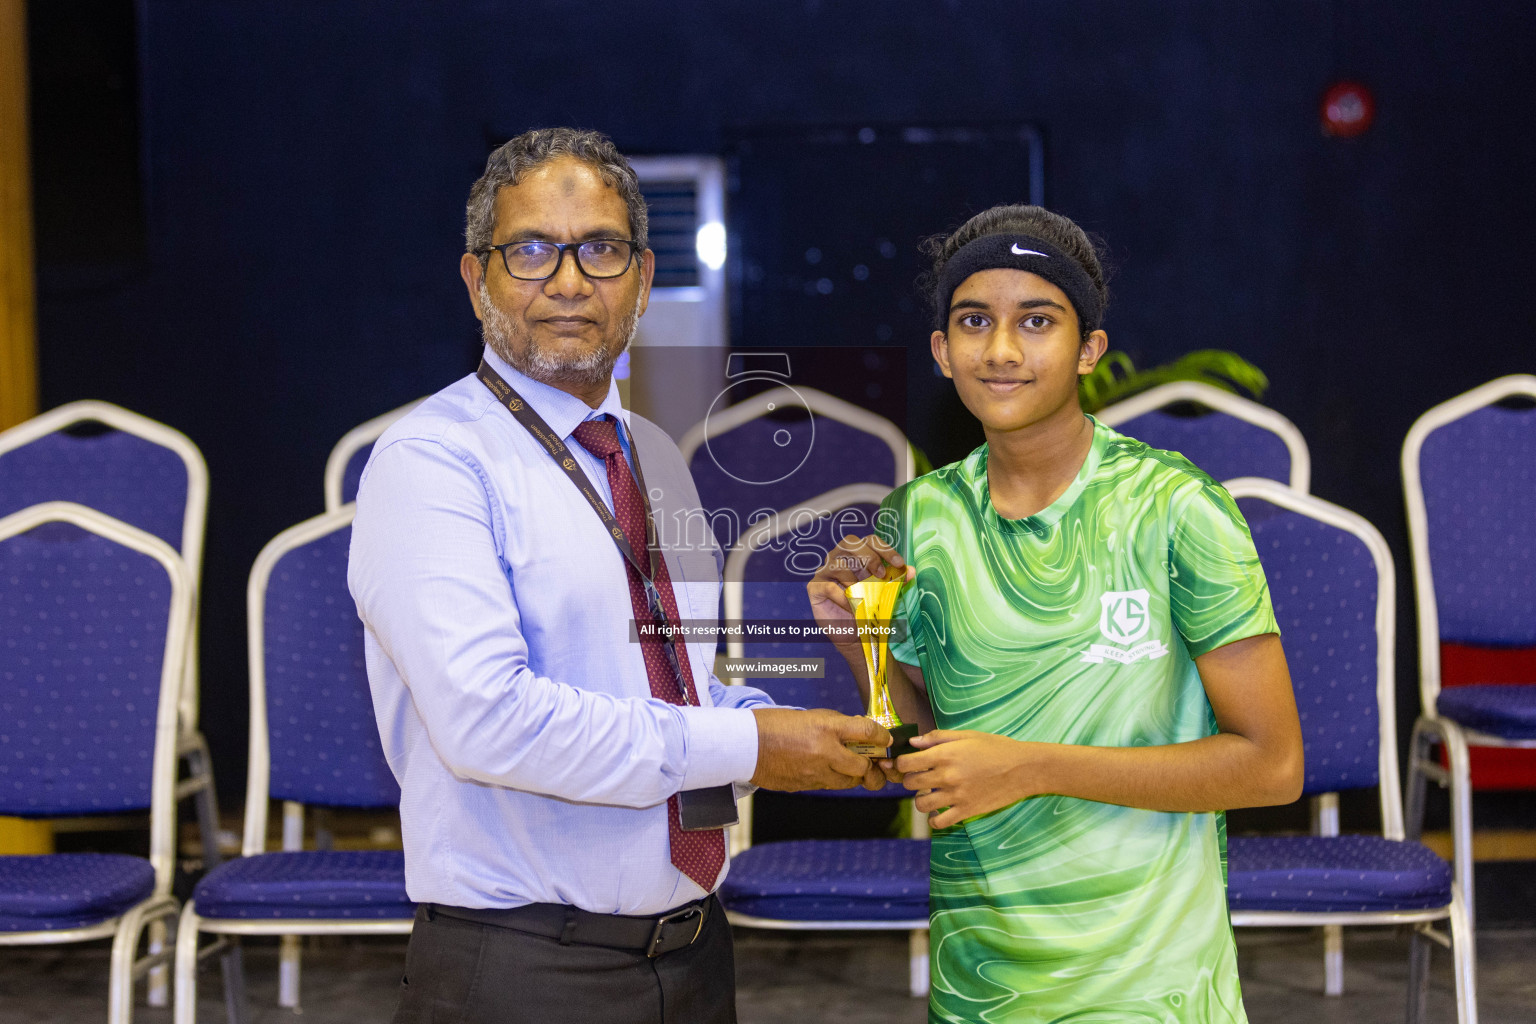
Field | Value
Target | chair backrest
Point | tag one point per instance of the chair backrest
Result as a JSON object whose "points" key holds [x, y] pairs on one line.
{"points": [[1332, 582], [94, 617], [1469, 476], [784, 446], [314, 739], [1230, 436], [140, 471], [344, 466], [125, 465]]}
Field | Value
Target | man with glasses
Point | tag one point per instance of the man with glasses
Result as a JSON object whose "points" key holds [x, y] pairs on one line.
{"points": [[563, 787]]}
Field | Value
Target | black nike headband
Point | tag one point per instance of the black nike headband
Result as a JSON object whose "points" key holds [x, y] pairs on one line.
{"points": [[1020, 252]]}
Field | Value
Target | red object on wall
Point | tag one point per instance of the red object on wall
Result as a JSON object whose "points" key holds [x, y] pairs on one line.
{"points": [[1348, 109], [1461, 665]]}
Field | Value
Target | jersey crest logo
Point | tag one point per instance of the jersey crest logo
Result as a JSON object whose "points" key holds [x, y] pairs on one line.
{"points": [[1124, 618]]}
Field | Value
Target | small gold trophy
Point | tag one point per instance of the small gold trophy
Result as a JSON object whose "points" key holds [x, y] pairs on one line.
{"points": [[873, 601]]}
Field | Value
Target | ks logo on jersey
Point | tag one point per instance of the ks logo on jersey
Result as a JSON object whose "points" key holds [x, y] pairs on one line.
{"points": [[1124, 618]]}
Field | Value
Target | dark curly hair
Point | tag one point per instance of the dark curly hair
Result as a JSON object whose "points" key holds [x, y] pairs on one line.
{"points": [[512, 159], [1017, 219]]}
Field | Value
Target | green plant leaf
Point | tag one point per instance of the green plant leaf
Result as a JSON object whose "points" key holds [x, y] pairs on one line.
{"points": [[1116, 376]]}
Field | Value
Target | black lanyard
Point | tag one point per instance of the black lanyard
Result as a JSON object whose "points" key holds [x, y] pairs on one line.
{"points": [[557, 450]]}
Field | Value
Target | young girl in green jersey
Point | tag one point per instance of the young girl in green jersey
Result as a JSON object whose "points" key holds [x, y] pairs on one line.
{"points": [[1092, 655]]}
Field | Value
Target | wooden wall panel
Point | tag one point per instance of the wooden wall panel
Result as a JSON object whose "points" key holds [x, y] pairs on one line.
{"points": [[18, 344]]}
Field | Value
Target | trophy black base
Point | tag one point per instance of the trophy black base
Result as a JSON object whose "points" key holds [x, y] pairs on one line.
{"points": [[901, 740], [901, 743]]}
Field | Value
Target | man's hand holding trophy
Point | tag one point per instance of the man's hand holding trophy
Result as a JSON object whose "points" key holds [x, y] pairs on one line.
{"points": [[854, 597]]}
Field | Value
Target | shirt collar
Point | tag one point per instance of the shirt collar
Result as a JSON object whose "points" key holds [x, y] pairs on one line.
{"points": [[563, 411]]}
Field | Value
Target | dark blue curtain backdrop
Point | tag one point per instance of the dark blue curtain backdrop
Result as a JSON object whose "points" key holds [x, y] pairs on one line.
{"points": [[305, 166]]}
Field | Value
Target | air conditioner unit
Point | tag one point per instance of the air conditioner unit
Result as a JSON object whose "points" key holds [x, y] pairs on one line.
{"points": [[681, 343]]}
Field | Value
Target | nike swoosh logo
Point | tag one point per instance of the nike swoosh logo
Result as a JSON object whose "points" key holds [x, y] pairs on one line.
{"points": [[1025, 252]]}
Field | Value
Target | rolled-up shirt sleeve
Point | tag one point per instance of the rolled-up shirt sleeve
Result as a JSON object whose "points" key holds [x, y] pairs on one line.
{"points": [[432, 588]]}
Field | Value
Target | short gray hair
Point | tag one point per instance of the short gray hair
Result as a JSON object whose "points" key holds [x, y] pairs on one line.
{"points": [[516, 157]]}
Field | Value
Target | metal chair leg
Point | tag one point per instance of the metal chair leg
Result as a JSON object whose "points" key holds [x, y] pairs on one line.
{"points": [[158, 976], [1420, 747], [126, 963], [1463, 957], [186, 966], [233, 964], [1333, 960], [1325, 822], [188, 956], [290, 947], [1419, 948], [917, 948], [1427, 732], [288, 966], [206, 800], [1461, 820]]}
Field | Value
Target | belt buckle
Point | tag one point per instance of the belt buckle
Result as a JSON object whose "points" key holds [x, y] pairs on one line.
{"points": [[653, 947]]}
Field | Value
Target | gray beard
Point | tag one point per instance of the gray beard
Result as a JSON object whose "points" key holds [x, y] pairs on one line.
{"points": [[590, 370]]}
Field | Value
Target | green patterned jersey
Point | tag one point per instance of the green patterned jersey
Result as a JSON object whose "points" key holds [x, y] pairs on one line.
{"points": [[1079, 625]]}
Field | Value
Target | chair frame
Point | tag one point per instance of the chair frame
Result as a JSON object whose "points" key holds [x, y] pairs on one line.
{"points": [[1461, 940], [258, 781], [125, 928], [190, 745], [1431, 729], [1218, 400], [820, 404], [756, 537], [195, 520], [351, 442]]}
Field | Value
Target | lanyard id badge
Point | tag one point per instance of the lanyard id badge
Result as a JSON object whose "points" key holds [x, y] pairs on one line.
{"points": [[698, 809]]}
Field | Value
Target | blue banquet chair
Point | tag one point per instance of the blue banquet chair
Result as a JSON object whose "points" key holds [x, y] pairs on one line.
{"points": [[150, 476], [1230, 436], [785, 446], [817, 884], [313, 741], [94, 617], [1469, 473], [344, 466], [1333, 585]]}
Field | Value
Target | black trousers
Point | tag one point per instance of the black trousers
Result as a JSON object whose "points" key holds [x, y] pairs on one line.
{"points": [[463, 972]]}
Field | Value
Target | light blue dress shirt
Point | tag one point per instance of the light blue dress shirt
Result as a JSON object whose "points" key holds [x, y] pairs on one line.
{"points": [[534, 765]]}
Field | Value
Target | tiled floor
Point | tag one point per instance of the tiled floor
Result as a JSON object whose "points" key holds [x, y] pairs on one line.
{"points": [[845, 978]]}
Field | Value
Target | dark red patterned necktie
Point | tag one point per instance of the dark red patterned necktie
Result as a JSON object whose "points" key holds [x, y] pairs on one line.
{"points": [[697, 854]]}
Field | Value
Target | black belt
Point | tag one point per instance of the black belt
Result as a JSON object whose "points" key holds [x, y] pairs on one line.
{"points": [[663, 933]]}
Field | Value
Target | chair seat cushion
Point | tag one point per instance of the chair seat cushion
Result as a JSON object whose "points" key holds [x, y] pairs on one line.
{"points": [[311, 884], [70, 890], [1334, 874], [831, 880], [1507, 710]]}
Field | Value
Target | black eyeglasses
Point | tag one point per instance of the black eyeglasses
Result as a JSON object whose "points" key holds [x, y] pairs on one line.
{"points": [[534, 260]]}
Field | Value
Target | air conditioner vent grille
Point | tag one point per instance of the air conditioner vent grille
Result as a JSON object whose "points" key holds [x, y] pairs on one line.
{"points": [[674, 210]]}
